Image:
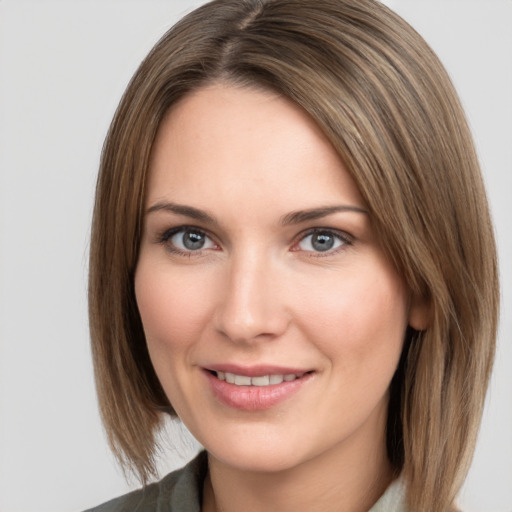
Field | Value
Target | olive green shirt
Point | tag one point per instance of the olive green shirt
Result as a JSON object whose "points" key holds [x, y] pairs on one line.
{"points": [[181, 491]]}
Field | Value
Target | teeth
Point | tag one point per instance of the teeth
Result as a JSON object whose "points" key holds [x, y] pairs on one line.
{"points": [[276, 379], [263, 380], [242, 380]]}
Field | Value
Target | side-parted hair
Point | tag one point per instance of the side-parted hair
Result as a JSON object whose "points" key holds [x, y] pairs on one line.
{"points": [[388, 107]]}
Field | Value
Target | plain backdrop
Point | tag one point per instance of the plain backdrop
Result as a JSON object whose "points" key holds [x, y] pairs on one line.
{"points": [[63, 68]]}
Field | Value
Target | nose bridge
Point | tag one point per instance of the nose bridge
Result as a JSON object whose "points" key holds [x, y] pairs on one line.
{"points": [[250, 307]]}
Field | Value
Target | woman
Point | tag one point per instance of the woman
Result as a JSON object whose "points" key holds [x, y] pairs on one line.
{"points": [[292, 252]]}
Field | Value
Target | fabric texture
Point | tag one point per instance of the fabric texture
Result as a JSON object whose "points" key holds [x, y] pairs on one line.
{"points": [[181, 491]]}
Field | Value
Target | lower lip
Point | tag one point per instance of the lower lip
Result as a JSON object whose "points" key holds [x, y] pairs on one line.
{"points": [[254, 398]]}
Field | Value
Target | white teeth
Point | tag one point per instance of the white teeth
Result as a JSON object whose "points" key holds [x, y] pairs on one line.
{"points": [[276, 379], [263, 380], [242, 380]]}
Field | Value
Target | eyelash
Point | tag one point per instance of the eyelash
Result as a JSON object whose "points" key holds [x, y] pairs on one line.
{"points": [[166, 236], [345, 239]]}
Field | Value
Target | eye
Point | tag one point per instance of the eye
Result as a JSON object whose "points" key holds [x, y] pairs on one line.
{"points": [[187, 240], [322, 241]]}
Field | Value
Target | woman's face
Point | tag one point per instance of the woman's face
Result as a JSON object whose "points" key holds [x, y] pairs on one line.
{"points": [[272, 317]]}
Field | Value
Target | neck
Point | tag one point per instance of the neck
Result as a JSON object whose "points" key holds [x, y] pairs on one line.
{"points": [[350, 477]]}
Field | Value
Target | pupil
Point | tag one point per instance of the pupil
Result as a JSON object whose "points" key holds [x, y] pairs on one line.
{"points": [[193, 241], [322, 242]]}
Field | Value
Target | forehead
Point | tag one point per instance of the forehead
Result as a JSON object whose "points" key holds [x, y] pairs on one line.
{"points": [[226, 142]]}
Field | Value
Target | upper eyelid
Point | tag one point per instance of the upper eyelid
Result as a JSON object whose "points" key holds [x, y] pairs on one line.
{"points": [[164, 238], [166, 234], [346, 238], [303, 233], [337, 232]]}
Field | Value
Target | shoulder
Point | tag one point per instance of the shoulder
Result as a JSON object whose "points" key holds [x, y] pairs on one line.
{"points": [[142, 499], [180, 490]]}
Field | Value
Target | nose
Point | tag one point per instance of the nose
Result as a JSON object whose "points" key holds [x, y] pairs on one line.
{"points": [[252, 306]]}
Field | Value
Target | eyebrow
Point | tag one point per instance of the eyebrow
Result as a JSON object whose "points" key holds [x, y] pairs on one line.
{"points": [[317, 213], [181, 209], [296, 217]]}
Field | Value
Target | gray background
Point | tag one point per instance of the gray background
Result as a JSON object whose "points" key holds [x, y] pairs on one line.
{"points": [[63, 68]]}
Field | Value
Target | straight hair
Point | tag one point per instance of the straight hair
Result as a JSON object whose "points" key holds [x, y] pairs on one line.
{"points": [[388, 107]]}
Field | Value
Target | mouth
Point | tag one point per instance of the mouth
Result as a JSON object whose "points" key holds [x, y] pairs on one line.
{"points": [[259, 381], [256, 388]]}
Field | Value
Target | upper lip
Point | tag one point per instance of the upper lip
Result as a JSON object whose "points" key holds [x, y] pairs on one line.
{"points": [[256, 370]]}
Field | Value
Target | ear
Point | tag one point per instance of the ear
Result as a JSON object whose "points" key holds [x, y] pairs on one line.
{"points": [[419, 312]]}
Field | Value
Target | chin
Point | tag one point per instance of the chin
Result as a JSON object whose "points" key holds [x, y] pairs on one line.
{"points": [[259, 451], [257, 460]]}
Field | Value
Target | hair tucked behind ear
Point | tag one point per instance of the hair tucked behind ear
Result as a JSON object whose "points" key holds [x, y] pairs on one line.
{"points": [[387, 105]]}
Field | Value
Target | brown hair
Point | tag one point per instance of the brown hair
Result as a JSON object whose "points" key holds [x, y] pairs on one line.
{"points": [[385, 102]]}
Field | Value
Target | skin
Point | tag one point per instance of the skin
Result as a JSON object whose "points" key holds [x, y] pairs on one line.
{"points": [[260, 292]]}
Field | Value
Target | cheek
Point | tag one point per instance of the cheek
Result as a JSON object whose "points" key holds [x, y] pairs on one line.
{"points": [[359, 321], [171, 309]]}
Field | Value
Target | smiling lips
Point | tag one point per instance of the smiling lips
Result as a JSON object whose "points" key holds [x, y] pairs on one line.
{"points": [[263, 380], [262, 390]]}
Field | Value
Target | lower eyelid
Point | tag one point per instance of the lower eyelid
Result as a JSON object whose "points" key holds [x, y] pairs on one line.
{"points": [[344, 238], [165, 237]]}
